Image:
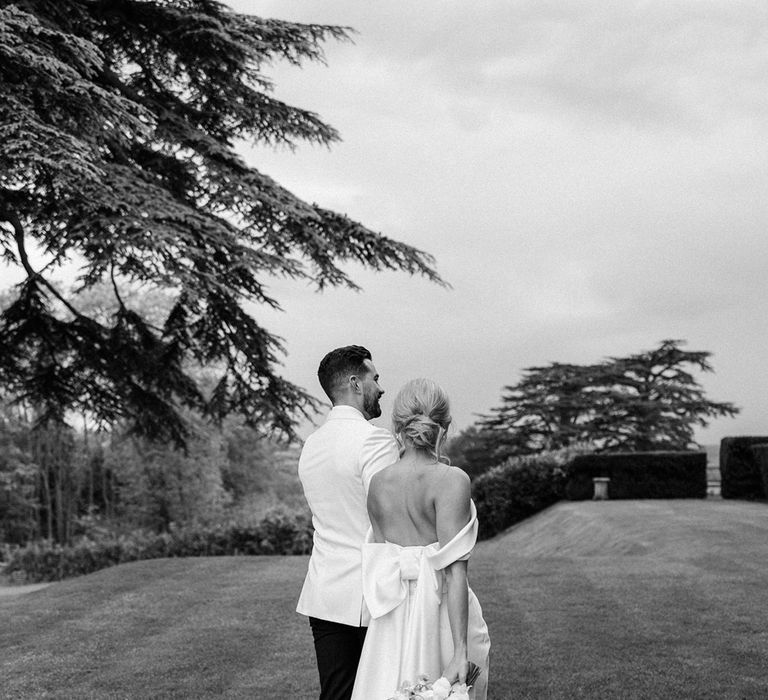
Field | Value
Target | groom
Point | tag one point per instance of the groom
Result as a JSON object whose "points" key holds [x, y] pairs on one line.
{"points": [[335, 468]]}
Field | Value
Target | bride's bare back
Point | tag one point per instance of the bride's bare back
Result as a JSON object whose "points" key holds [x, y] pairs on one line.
{"points": [[415, 502]]}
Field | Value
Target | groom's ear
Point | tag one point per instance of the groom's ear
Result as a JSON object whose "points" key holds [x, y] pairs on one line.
{"points": [[354, 382]]}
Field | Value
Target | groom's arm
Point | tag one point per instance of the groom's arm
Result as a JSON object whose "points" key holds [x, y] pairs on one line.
{"points": [[378, 451]]}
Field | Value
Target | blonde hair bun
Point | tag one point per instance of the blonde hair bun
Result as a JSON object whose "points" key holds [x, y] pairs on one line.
{"points": [[421, 415]]}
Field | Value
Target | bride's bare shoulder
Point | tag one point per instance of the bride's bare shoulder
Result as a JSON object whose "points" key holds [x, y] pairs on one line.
{"points": [[452, 503], [451, 481]]}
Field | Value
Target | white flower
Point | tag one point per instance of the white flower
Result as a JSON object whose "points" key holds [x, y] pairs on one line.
{"points": [[460, 692], [441, 688]]}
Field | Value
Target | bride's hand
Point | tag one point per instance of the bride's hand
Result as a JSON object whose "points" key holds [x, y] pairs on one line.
{"points": [[457, 669]]}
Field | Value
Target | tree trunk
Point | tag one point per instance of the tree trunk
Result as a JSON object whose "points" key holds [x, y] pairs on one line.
{"points": [[60, 521], [89, 464], [47, 504]]}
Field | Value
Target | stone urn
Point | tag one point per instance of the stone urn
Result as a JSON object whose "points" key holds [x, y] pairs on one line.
{"points": [[601, 488]]}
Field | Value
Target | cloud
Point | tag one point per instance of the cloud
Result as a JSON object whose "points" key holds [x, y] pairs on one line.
{"points": [[652, 63]]}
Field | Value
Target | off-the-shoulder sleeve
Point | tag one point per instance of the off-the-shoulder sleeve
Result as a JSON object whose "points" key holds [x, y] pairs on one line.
{"points": [[379, 450], [460, 547]]}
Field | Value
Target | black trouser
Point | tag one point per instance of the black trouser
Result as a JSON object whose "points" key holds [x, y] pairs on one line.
{"points": [[337, 648]]}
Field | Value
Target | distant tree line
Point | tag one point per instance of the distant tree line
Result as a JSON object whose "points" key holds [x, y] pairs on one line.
{"points": [[59, 483]]}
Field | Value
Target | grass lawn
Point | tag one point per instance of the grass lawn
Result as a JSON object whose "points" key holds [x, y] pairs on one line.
{"points": [[633, 599]]}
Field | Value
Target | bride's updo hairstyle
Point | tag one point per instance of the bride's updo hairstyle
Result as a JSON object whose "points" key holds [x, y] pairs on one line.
{"points": [[421, 415]]}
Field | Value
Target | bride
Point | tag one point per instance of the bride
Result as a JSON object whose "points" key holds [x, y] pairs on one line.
{"points": [[425, 620]]}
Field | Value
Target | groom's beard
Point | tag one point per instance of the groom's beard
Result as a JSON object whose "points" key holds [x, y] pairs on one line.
{"points": [[371, 406]]}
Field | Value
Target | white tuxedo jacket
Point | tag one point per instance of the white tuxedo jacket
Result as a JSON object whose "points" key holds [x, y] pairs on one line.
{"points": [[335, 468]]}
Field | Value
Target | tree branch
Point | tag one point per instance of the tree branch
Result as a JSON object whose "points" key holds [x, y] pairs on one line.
{"points": [[18, 234], [114, 287]]}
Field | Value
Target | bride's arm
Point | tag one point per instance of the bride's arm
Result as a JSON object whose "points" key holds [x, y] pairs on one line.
{"points": [[452, 513], [457, 601]]}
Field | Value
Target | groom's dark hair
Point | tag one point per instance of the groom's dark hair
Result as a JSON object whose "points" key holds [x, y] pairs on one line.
{"points": [[339, 364]]}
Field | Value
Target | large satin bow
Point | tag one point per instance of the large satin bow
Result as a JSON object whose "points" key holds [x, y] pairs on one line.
{"points": [[388, 567]]}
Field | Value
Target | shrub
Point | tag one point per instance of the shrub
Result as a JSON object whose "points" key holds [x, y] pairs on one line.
{"points": [[639, 475], [278, 532], [519, 488], [739, 472]]}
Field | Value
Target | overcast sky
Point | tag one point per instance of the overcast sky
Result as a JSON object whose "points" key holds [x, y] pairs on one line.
{"points": [[590, 176]]}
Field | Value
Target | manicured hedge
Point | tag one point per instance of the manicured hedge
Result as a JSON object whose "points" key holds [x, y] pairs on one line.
{"points": [[519, 488], [639, 475], [739, 472], [277, 533], [761, 459]]}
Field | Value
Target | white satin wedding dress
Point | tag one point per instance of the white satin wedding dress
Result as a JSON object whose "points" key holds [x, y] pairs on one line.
{"points": [[410, 633]]}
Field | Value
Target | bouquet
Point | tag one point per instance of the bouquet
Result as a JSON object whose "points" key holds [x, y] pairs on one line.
{"points": [[424, 689]]}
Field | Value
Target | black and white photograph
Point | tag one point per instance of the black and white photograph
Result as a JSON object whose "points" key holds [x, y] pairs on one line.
{"points": [[402, 350]]}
